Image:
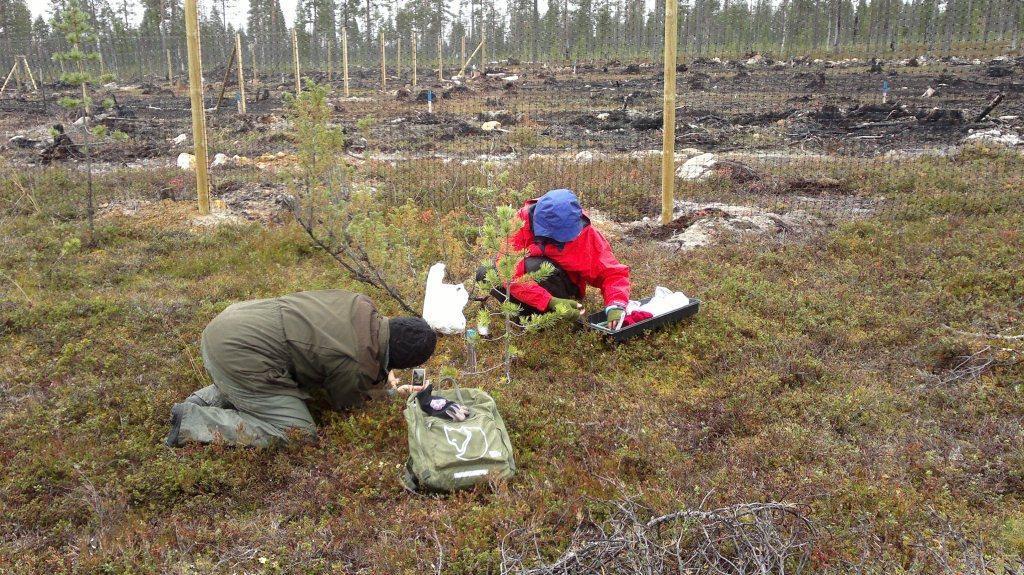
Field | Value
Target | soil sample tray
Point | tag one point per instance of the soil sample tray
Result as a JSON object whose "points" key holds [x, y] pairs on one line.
{"points": [[595, 320]]}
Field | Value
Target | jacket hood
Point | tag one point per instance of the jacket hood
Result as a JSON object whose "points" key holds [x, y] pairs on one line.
{"points": [[557, 215]]}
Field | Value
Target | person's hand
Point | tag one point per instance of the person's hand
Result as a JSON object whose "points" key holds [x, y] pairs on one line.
{"points": [[614, 314], [566, 308], [404, 390], [440, 407]]}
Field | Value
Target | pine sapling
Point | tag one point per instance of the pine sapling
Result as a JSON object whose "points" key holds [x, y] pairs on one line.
{"points": [[74, 25]]}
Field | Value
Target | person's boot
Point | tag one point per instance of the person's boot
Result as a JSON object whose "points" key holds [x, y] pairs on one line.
{"points": [[208, 396], [178, 411]]}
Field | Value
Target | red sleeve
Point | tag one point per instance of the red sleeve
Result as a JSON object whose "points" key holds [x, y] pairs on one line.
{"points": [[607, 273], [529, 292]]}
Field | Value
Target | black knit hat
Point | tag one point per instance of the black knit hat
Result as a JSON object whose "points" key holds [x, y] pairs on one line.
{"points": [[411, 342]]}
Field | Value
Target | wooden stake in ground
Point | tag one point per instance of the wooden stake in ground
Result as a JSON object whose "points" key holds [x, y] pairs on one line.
{"points": [[28, 72], [440, 61], [9, 76], [398, 59], [170, 70], [344, 59], [195, 90], [383, 66], [668, 141], [295, 61], [483, 51], [224, 84], [478, 47], [255, 75], [241, 74], [412, 41], [462, 52], [330, 63]]}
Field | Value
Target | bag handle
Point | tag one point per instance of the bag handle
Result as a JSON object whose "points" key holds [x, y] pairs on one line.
{"points": [[455, 384]]}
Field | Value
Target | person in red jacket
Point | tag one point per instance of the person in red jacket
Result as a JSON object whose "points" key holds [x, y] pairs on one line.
{"points": [[557, 231]]}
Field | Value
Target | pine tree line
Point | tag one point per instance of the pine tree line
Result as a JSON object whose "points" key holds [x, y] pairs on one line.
{"points": [[563, 30]]}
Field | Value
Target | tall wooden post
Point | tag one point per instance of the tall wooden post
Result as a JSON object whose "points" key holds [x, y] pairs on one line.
{"points": [[383, 66], [440, 61], [398, 58], [195, 90], [255, 74], [330, 63], [483, 50], [462, 52], [295, 62], [170, 69], [412, 40], [668, 141], [344, 59], [241, 74]]}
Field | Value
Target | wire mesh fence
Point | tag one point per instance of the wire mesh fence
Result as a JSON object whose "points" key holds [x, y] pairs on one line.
{"points": [[781, 101]]}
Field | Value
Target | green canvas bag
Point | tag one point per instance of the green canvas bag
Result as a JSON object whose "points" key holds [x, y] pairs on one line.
{"points": [[446, 456]]}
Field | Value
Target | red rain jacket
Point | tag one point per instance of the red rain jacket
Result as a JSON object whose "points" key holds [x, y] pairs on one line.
{"points": [[587, 260]]}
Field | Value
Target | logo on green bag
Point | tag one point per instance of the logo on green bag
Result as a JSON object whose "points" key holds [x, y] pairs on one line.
{"points": [[463, 445]]}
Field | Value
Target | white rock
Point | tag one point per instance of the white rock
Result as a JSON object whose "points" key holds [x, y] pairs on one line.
{"points": [[179, 139], [995, 136], [512, 78], [928, 93], [219, 160], [186, 161], [697, 168], [587, 156], [490, 126], [602, 116]]}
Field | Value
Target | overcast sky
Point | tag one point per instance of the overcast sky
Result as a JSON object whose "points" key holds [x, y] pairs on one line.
{"points": [[237, 11]]}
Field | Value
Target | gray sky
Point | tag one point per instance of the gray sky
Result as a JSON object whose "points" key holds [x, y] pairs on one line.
{"points": [[237, 10]]}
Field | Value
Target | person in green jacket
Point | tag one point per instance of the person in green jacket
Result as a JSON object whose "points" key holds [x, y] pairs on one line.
{"points": [[266, 356]]}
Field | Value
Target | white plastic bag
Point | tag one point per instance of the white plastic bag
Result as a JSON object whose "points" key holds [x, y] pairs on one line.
{"points": [[664, 301], [443, 303]]}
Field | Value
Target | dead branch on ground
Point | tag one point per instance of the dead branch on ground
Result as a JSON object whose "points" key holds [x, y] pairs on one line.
{"points": [[748, 538]]}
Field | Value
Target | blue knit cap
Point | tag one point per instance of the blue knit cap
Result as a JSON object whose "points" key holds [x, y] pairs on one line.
{"points": [[558, 216]]}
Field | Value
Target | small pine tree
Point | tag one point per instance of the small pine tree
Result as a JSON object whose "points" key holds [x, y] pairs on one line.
{"points": [[73, 23], [494, 236]]}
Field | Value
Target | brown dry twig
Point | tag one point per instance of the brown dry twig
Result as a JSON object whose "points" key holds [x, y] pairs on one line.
{"points": [[747, 538]]}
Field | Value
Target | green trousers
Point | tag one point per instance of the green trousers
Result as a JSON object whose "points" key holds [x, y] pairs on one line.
{"points": [[249, 413]]}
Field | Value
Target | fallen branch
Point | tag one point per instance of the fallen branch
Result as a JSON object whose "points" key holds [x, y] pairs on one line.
{"points": [[988, 109], [750, 538], [982, 335]]}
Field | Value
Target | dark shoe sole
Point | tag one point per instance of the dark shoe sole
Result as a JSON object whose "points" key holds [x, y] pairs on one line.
{"points": [[177, 413]]}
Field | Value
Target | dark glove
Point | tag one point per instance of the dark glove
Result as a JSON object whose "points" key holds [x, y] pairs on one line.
{"points": [[566, 308], [440, 407]]}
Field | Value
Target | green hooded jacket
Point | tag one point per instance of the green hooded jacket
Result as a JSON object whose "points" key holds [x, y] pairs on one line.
{"points": [[332, 340]]}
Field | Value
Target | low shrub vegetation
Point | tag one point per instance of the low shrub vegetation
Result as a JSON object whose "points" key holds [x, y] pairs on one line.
{"points": [[864, 374]]}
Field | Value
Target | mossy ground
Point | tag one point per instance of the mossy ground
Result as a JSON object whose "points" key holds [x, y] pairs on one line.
{"points": [[817, 372]]}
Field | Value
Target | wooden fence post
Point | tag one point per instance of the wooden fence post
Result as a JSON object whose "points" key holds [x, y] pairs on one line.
{"points": [[440, 61], [344, 59], [383, 66], [398, 58], [412, 40], [295, 62], [195, 89], [330, 63], [462, 52], [668, 141], [241, 74], [170, 69]]}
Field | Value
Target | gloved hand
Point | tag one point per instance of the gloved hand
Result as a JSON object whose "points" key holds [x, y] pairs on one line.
{"points": [[439, 406], [567, 308], [614, 314]]}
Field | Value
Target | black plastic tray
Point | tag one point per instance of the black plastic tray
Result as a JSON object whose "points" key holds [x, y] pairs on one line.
{"points": [[636, 329]]}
